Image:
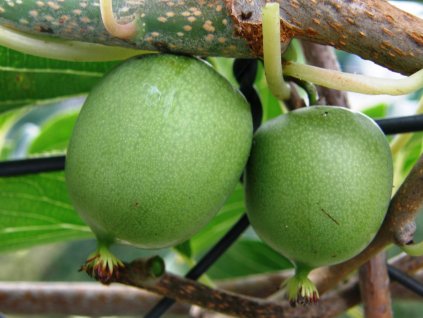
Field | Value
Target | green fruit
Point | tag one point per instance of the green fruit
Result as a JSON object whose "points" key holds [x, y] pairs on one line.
{"points": [[318, 184], [158, 147]]}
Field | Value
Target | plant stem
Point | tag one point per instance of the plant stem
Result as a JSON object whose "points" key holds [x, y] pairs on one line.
{"points": [[122, 31], [374, 287], [272, 52], [59, 49], [324, 56], [355, 82]]}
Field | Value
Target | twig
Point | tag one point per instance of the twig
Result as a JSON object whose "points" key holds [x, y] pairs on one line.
{"points": [[91, 299], [85, 299], [374, 288], [325, 57], [263, 285], [335, 302], [186, 290]]}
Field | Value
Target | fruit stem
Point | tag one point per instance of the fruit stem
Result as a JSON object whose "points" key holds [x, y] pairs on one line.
{"points": [[102, 265], [272, 51], [354, 82], [58, 49], [301, 290]]}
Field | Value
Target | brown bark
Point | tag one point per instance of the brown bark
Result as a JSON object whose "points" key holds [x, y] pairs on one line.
{"points": [[188, 291], [85, 299], [91, 299], [374, 288], [372, 29]]}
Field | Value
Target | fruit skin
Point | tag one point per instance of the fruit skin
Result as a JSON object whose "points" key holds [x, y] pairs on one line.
{"points": [[158, 147], [318, 184]]}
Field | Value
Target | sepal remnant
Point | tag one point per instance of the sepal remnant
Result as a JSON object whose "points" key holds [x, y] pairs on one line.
{"points": [[103, 266], [301, 290]]}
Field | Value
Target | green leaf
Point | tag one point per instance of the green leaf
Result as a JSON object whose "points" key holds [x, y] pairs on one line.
{"points": [[27, 80], [54, 135], [377, 111], [224, 66], [220, 224], [184, 249], [412, 150], [36, 210], [248, 257], [7, 121]]}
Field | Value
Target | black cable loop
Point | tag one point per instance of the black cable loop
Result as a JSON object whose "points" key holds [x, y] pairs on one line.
{"points": [[245, 71]]}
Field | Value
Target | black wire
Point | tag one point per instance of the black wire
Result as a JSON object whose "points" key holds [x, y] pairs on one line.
{"points": [[399, 125], [405, 280], [204, 264], [33, 165], [395, 125], [245, 71]]}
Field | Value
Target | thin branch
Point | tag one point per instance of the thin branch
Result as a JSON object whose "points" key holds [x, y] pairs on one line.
{"points": [[188, 291], [374, 287], [91, 299], [372, 29], [337, 301], [85, 299]]}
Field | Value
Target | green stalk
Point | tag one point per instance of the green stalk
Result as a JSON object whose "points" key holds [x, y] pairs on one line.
{"points": [[272, 52], [58, 49], [355, 82], [122, 31]]}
